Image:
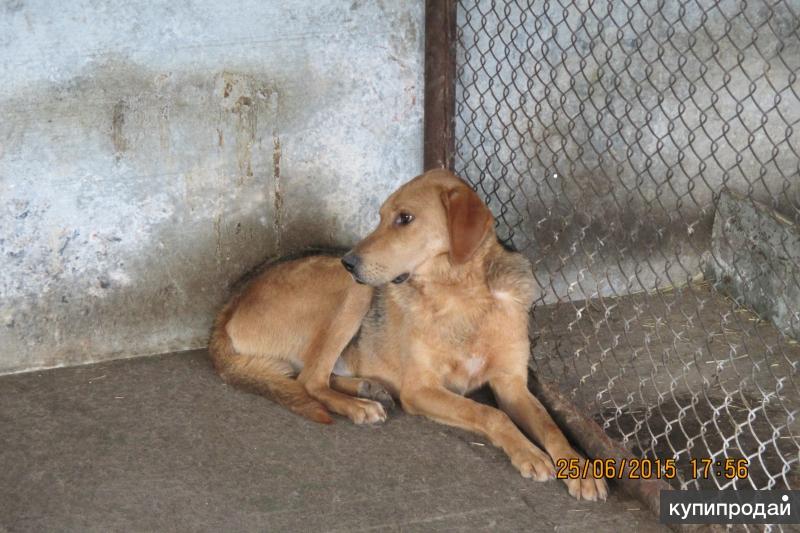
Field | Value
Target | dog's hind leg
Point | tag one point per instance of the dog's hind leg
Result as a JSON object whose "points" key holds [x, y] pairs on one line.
{"points": [[326, 348], [262, 375], [272, 378]]}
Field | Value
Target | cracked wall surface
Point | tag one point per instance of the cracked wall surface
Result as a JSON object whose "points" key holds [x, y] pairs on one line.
{"points": [[150, 154]]}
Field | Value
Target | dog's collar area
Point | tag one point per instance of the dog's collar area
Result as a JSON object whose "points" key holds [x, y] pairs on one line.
{"points": [[401, 278]]}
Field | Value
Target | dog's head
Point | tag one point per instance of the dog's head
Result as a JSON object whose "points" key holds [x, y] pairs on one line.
{"points": [[432, 215]]}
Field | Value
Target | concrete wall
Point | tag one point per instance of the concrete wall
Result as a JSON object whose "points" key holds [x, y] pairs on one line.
{"points": [[152, 152], [601, 133]]}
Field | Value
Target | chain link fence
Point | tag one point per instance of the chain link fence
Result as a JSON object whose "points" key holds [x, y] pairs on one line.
{"points": [[608, 137]]}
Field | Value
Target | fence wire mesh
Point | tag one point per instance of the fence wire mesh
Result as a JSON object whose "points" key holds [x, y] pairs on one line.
{"points": [[608, 137]]}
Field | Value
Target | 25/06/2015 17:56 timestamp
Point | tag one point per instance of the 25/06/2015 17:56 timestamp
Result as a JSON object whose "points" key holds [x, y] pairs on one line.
{"points": [[645, 468]]}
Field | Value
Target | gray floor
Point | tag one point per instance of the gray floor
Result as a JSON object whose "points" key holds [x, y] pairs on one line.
{"points": [[161, 444]]}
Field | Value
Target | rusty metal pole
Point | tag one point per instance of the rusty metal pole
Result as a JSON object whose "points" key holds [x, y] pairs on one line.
{"points": [[440, 76]]}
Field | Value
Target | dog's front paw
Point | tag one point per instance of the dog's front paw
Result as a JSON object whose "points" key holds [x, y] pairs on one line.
{"points": [[375, 391], [533, 463], [365, 411], [588, 488]]}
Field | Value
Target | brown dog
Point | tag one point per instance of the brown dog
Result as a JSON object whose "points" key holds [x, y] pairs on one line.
{"points": [[440, 309]]}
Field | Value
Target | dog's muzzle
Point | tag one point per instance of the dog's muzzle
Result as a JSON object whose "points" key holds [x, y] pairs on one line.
{"points": [[351, 262]]}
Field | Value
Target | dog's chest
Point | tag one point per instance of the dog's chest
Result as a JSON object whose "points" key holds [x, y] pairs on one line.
{"points": [[466, 373], [466, 353], [470, 350], [455, 332]]}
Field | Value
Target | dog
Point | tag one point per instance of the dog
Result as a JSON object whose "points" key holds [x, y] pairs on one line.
{"points": [[427, 308]]}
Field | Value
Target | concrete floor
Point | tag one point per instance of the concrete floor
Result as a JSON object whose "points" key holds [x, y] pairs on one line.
{"points": [[161, 443]]}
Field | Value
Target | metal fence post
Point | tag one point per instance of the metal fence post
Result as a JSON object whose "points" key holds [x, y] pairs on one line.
{"points": [[440, 70]]}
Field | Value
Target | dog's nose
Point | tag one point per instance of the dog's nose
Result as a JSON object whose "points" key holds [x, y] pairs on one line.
{"points": [[350, 262]]}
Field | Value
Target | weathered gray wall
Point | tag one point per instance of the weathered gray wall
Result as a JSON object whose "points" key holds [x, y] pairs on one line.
{"points": [[601, 131], [152, 152]]}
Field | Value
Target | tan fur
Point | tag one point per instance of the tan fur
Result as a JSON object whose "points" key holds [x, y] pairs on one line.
{"points": [[459, 321], [261, 375]]}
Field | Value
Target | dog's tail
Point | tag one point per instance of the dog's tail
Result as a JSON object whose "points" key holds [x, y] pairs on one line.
{"points": [[259, 375]]}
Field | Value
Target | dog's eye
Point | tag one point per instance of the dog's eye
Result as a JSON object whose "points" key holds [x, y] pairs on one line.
{"points": [[403, 219]]}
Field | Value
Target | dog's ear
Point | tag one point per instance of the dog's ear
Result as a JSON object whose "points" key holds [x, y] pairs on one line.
{"points": [[468, 222]]}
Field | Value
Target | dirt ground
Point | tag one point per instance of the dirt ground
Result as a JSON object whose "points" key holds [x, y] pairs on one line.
{"points": [[160, 443]]}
